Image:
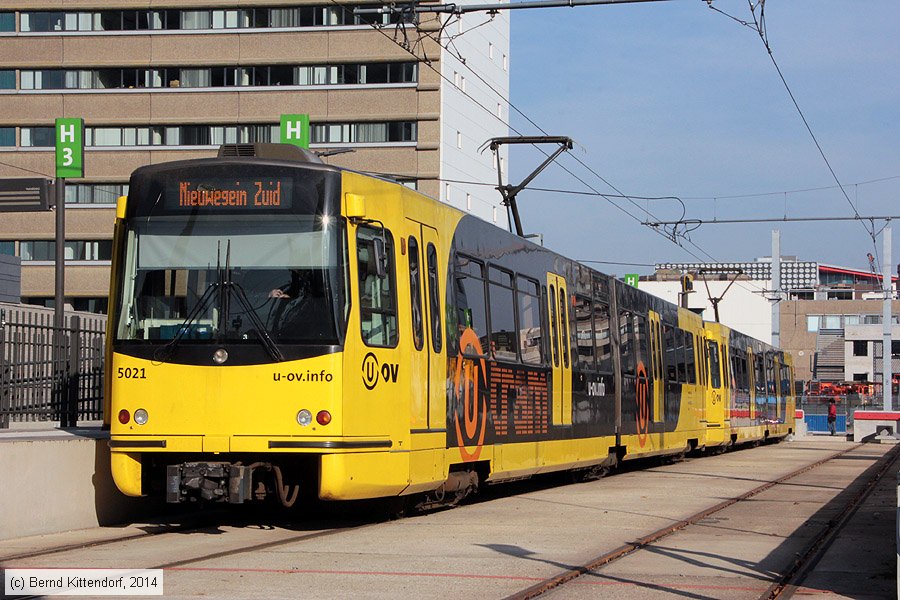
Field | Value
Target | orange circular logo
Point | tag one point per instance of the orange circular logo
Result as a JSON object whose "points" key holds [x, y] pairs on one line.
{"points": [[642, 393], [472, 416]]}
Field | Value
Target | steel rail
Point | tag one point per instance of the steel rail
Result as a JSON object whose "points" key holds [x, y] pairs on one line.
{"points": [[788, 583], [551, 583], [203, 521]]}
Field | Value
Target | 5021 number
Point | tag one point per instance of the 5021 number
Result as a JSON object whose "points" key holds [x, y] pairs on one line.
{"points": [[131, 373]]}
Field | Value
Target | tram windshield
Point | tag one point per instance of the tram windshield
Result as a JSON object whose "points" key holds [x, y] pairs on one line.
{"points": [[272, 279]]}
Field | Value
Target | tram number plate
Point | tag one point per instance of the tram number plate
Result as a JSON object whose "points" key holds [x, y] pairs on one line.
{"points": [[131, 373]]}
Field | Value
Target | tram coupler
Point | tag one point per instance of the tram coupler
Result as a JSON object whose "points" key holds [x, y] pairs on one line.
{"points": [[209, 481]]}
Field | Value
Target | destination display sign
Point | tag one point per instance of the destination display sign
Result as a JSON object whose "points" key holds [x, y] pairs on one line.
{"points": [[230, 194]]}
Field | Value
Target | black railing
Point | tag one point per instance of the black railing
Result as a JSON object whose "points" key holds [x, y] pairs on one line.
{"points": [[47, 374]]}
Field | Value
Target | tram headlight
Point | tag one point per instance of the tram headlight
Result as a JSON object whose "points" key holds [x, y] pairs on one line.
{"points": [[141, 417], [304, 417], [323, 417], [124, 416]]}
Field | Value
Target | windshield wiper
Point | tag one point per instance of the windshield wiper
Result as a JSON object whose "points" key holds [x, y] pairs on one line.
{"points": [[164, 353], [227, 287], [223, 287]]}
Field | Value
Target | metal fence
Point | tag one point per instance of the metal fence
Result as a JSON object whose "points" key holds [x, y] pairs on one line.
{"points": [[816, 409], [50, 377]]}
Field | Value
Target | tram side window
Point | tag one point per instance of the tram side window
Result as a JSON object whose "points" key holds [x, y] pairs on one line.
{"points": [[690, 365], [741, 371], [641, 341], [602, 343], [655, 353], [759, 376], [434, 299], [554, 330], [470, 301], [670, 340], [770, 375], [378, 296], [415, 292], [584, 334], [564, 327], [528, 296], [785, 381], [504, 335], [703, 357], [626, 342], [712, 348]]}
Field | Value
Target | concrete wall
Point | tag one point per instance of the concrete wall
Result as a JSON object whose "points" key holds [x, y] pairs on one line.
{"points": [[57, 481]]}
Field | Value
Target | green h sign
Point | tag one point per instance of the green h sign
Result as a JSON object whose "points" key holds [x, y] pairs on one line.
{"points": [[295, 130], [632, 279], [70, 148]]}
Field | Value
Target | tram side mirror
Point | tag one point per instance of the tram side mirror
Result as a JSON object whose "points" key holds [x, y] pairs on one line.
{"points": [[380, 258]]}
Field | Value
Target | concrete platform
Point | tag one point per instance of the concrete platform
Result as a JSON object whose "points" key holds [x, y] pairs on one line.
{"points": [[496, 548], [58, 480]]}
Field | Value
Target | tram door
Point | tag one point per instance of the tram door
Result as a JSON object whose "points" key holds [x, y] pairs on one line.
{"points": [[423, 260], [560, 354], [656, 370]]}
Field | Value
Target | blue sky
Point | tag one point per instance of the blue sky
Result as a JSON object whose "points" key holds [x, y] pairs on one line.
{"points": [[672, 98]]}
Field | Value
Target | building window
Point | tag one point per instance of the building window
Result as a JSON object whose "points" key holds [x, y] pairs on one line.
{"points": [[840, 295], [895, 348], [8, 248], [95, 193], [7, 21], [7, 136], [173, 19], [7, 80], [214, 135], [45, 250], [860, 348], [38, 137]]}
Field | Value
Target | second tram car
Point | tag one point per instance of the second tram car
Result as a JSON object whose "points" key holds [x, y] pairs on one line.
{"points": [[278, 325]]}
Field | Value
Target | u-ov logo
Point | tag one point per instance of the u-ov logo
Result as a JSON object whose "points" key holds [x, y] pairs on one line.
{"points": [[372, 371]]}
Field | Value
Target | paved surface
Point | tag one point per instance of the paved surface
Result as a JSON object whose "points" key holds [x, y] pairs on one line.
{"points": [[497, 548]]}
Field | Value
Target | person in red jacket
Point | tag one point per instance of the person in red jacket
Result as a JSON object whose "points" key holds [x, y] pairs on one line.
{"points": [[832, 415]]}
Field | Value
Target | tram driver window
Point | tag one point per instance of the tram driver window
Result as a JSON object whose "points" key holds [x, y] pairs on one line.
{"points": [[377, 295]]}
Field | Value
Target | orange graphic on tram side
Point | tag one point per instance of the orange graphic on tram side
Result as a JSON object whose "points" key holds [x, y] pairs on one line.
{"points": [[642, 392], [465, 385]]}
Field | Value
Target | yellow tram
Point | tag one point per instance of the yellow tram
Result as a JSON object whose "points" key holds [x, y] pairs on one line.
{"points": [[280, 326]]}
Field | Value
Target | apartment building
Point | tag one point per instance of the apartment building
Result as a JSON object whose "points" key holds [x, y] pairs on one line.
{"points": [[158, 81]]}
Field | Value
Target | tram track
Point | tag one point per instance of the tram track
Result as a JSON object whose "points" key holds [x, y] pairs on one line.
{"points": [[162, 529], [200, 523], [785, 585]]}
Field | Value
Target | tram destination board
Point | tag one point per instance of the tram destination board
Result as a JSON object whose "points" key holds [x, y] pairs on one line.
{"points": [[24, 195]]}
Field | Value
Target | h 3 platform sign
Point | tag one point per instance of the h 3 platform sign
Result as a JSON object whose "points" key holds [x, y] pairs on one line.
{"points": [[295, 130], [69, 148], [632, 279]]}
